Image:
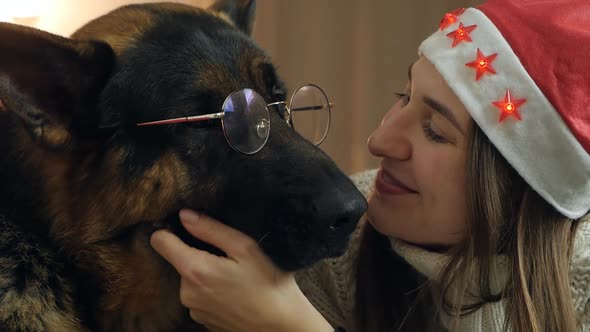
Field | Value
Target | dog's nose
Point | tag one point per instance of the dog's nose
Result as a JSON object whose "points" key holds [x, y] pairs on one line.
{"points": [[339, 212]]}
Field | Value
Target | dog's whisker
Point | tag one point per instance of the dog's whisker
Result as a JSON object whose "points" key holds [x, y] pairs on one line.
{"points": [[262, 238]]}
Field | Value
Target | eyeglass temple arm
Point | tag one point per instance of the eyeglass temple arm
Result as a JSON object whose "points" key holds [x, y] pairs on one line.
{"points": [[307, 108], [194, 118], [314, 108]]}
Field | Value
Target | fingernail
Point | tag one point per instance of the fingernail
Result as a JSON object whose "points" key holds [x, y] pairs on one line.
{"points": [[188, 216]]}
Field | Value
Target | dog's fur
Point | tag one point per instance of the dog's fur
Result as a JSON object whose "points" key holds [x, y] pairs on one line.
{"points": [[83, 188]]}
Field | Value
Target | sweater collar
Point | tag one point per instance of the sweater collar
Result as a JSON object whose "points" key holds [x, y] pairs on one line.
{"points": [[430, 264]]}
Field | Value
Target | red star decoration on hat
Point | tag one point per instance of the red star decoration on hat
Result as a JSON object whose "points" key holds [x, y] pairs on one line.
{"points": [[450, 18], [483, 64], [509, 107], [461, 34]]}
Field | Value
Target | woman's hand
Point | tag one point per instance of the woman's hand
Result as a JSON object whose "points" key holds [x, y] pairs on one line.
{"points": [[244, 291]]}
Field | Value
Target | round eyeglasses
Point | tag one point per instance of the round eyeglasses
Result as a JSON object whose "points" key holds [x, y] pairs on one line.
{"points": [[245, 118]]}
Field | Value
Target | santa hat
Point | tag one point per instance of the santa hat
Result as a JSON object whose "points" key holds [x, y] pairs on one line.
{"points": [[522, 70]]}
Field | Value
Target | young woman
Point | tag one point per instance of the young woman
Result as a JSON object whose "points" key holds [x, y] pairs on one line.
{"points": [[478, 216]]}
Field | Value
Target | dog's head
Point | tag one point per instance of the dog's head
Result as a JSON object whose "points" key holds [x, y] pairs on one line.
{"points": [[73, 105]]}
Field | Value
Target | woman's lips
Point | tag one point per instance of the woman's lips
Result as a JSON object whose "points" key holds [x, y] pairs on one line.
{"points": [[386, 184]]}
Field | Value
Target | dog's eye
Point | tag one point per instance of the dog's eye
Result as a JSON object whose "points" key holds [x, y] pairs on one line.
{"points": [[278, 94]]}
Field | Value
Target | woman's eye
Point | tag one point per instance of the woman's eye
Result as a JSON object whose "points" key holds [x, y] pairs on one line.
{"points": [[431, 134]]}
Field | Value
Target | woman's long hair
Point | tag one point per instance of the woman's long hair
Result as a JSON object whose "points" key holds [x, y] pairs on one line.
{"points": [[507, 218]]}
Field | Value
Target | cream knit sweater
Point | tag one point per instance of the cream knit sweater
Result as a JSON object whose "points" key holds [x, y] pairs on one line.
{"points": [[330, 284]]}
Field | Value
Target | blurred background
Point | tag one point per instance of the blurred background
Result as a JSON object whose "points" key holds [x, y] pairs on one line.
{"points": [[358, 51]]}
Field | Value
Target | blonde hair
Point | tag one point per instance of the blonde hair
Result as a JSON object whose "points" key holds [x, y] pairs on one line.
{"points": [[507, 218]]}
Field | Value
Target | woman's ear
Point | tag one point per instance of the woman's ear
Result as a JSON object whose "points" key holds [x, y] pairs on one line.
{"points": [[241, 12], [52, 83]]}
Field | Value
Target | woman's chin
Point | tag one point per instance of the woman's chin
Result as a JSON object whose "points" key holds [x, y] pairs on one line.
{"points": [[416, 236], [386, 221], [383, 223]]}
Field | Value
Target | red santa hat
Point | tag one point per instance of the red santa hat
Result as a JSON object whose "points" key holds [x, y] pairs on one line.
{"points": [[522, 70]]}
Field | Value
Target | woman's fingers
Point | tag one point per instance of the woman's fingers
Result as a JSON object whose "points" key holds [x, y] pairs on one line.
{"points": [[187, 261], [228, 293], [233, 242]]}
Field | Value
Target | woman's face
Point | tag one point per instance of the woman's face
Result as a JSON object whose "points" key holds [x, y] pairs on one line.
{"points": [[420, 191]]}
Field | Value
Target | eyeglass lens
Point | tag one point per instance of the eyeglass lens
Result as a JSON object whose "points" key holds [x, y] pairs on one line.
{"points": [[310, 113], [246, 121]]}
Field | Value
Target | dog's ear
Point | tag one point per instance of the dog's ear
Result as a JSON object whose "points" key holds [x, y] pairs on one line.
{"points": [[52, 83], [241, 12]]}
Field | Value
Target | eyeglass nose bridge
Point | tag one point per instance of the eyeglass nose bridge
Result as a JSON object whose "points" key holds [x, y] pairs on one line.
{"points": [[287, 116]]}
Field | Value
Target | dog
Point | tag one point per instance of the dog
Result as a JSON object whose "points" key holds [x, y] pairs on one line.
{"points": [[83, 186]]}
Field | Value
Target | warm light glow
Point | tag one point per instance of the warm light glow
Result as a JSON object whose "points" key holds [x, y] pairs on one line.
{"points": [[461, 34], [483, 64], [509, 107], [13, 10], [63, 17], [450, 18]]}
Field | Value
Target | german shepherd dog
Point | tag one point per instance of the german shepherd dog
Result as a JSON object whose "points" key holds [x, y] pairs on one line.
{"points": [[83, 187]]}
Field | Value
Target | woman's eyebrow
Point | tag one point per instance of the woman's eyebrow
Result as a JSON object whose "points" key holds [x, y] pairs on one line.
{"points": [[444, 111]]}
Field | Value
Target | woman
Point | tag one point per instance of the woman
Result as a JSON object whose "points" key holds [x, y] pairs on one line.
{"points": [[477, 219]]}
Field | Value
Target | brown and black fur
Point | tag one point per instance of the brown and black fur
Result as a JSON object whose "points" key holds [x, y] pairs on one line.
{"points": [[83, 188]]}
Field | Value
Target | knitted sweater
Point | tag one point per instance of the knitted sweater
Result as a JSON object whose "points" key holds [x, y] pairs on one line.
{"points": [[330, 284]]}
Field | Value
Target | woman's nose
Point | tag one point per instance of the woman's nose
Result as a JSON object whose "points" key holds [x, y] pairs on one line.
{"points": [[391, 139]]}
